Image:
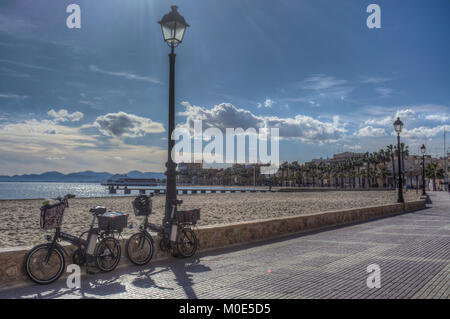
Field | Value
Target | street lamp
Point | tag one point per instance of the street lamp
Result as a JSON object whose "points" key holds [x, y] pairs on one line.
{"points": [[423, 149], [173, 27], [398, 126]]}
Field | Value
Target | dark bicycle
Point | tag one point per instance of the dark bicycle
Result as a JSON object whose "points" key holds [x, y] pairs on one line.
{"points": [[45, 263], [177, 237]]}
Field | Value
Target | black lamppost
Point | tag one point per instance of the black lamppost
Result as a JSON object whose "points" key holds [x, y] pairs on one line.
{"points": [[173, 27], [398, 126], [422, 149]]}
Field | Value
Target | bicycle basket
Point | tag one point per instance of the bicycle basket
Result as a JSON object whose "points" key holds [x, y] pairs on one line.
{"points": [[142, 205], [112, 221], [52, 215], [190, 216]]}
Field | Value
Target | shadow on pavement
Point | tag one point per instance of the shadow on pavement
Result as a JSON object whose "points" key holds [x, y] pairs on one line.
{"points": [[181, 269]]}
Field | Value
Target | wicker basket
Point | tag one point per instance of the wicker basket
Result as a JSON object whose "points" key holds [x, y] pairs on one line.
{"points": [[142, 205], [190, 216], [52, 216], [112, 221]]}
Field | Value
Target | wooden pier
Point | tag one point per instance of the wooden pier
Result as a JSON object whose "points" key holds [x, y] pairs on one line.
{"points": [[113, 189]]}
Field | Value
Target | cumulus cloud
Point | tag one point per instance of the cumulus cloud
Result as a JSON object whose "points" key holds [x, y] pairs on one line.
{"points": [[370, 131], [126, 125], [64, 116], [438, 117], [404, 114], [424, 132], [226, 115], [384, 121], [407, 114], [42, 145]]}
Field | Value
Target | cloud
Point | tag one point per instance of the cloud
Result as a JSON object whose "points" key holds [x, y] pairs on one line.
{"points": [[35, 146], [267, 103], [438, 117], [226, 115], [314, 103], [384, 92], [126, 125], [407, 114], [354, 147], [370, 131], [13, 73], [64, 116], [374, 79], [320, 88], [25, 65], [13, 96], [404, 114], [10, 24], [383, 122], [124, 75], [320, 82], [424, 132]]}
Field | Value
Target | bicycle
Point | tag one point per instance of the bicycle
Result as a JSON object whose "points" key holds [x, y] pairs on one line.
{"points": [[177, 237], [45, 263]]}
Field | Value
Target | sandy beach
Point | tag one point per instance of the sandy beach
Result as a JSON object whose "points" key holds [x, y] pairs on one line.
{"points": [[19, 219]]}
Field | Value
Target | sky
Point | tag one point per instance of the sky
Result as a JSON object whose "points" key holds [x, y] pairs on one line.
{"points": [[96, 98]]}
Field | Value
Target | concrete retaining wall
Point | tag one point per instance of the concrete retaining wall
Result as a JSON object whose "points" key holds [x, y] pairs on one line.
{"points": [[216, 236]]}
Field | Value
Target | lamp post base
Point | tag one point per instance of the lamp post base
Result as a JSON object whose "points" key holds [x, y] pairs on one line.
{"points": [[427, 198]]}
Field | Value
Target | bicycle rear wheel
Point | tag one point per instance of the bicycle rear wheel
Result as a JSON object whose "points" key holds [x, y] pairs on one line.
{"points": [[140, 248], [43, 271], [107, 254], [187, 243]]}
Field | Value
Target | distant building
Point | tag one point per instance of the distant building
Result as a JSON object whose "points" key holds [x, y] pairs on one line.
{"points": [[191, 167]]}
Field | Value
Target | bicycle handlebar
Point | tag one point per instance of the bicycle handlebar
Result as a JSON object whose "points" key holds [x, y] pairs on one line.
{"points": [[65, 199]]}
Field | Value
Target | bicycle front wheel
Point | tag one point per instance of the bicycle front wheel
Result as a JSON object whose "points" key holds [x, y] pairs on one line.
{"points": [[187, 243], [44, 267], [139, 248], [107, 254]]}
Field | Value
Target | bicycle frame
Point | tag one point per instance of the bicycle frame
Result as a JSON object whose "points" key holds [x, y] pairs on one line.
{"points": [[77, 241]]}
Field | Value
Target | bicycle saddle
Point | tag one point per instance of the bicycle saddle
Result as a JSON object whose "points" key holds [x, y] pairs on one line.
{"points": [[177, 202], [98, 210]]}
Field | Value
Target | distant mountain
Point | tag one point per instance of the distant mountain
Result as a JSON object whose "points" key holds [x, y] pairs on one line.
{"points": [[80, 177]]}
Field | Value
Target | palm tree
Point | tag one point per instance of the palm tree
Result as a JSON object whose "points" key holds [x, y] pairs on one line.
{"points": [[383, 172], [295, 168], [367, 160], [363, 174], [391, 153], [283, 168], [313, 173], [358, 164], [434, 171], [335, 174]]}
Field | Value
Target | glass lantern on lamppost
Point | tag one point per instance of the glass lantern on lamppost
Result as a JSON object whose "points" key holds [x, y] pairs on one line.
{"points": [[422, 150], [173, 27], [398, 126]]}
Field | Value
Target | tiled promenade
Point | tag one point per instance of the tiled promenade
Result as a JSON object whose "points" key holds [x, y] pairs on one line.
{"points": [[412, 250]]}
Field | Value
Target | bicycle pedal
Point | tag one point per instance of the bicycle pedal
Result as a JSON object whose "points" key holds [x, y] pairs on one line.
{"points": [[92, 272]]}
